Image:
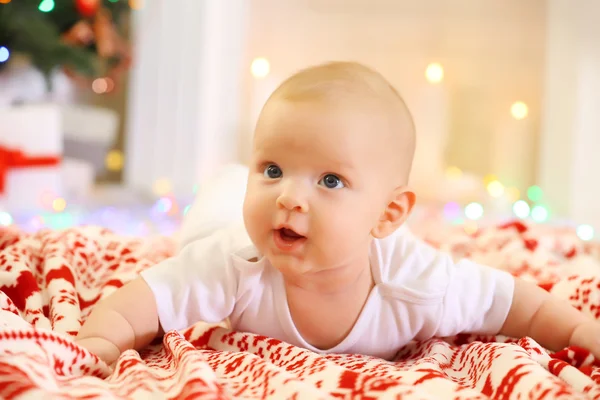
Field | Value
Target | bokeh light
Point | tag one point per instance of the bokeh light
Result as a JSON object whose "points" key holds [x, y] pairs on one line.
{"points": [[5, 218], [539, 213], [535, 193], [474, 211], [163, 205], [46, 6], [4, 54], [489, 178], [585, 232], [521, 209], [470, 228], [519, 110], [260, 67], [513, 193], [61, 220], [458, 221], [114, 160], [452, 210], [36, 223], [100, 86], [434, 73], [453, 173], [110, 84], [495, 188], [59, 204], [161, 187]]}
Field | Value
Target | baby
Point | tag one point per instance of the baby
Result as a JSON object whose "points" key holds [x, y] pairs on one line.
{"points": [[320, 261]]}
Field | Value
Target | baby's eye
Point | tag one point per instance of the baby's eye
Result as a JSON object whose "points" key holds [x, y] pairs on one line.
{"points": [[331, 181], [272, 172]]}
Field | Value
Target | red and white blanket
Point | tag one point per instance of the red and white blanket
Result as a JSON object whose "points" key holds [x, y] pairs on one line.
{"points": [[50, 281]]}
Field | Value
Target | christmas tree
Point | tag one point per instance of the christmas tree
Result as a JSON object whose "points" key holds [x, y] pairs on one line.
{"points": [[78, 35]]}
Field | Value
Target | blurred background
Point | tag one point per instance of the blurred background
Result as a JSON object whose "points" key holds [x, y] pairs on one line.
{"points": [[115, 112]]}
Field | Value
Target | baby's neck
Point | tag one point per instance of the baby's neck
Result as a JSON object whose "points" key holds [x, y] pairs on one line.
{"points": [[335, 282], [325, 307]]}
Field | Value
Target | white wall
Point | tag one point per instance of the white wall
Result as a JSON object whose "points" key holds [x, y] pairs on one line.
{"points": [[569, 161]]}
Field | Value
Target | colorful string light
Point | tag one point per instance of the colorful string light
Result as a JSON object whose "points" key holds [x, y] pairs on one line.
{"points": [[521, 209], [5, 218], [474, 211], [4, 54], [585, 232], [434, 73], [519, 110], [495, 189], [114, 160], [539, 213], [59, 204], [453, 173], [260, 67], [46, 6], [535, 193], [452, 210]]}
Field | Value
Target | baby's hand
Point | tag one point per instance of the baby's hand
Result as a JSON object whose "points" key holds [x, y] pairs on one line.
{"points": [[587, 336], [102, 348]]}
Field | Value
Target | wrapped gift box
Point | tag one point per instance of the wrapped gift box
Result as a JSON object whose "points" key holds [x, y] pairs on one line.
{"points": [[31, 148], [78, 178]]}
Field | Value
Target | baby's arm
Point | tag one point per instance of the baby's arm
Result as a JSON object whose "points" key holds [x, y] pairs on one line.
{"points": [[127, 319], [550, 321]]}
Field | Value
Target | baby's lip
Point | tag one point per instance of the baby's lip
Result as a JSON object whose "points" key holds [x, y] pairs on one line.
{"points": [[289, 230]]}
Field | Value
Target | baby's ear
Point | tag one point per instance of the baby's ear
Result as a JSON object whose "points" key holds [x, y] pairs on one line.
{"points": [[396, 212]]}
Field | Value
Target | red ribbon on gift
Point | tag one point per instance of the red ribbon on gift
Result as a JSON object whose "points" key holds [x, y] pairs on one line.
{"points": [[14, 159]]}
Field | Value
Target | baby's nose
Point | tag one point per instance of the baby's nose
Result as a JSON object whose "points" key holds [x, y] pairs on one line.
{"points": [[292, 199]]}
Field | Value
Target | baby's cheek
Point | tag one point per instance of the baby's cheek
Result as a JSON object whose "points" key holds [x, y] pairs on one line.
{"points": [[252, 213], [338, 228]]}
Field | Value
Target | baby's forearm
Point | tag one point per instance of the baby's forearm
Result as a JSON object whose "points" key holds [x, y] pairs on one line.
{"points": [[101, 348], [106, 328], [550, 321], [127, 319]]}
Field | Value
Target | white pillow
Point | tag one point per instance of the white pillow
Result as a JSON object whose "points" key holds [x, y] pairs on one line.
{"points": [[218, 203]]}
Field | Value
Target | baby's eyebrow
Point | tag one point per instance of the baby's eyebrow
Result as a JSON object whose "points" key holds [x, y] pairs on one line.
{"points": [[347, 166], [341, 167]]}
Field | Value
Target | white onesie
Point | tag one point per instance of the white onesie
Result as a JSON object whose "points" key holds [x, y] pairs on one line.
{"points": [[419, 293]]}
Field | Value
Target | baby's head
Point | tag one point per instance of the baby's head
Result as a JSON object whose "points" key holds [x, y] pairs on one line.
{"points": [[331, 157]]}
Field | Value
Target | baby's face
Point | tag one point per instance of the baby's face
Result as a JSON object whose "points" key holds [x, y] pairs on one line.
{"points": [[317, 186]]}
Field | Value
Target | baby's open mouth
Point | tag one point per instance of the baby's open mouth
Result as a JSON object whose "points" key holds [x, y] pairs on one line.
{"points": [[289, 235]]}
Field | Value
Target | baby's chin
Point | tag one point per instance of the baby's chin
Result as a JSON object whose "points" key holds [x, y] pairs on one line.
{"points": [[292, 267], [288, 265]]}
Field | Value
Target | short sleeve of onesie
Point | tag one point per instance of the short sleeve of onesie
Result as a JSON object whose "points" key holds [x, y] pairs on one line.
{"points": [[477, 300], [441, 297], [198, 284]]}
